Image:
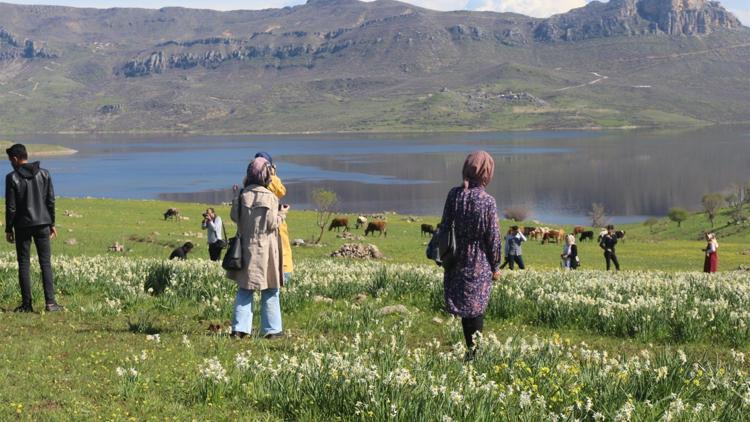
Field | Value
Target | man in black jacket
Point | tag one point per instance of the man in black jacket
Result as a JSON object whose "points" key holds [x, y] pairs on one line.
{"points": [[608, 242], [30, 214]]}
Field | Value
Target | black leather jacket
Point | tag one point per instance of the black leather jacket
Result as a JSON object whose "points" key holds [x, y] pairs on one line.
{"points": [[29, 198], [608, 242]]}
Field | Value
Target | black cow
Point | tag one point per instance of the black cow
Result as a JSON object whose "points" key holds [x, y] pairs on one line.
{"points": [[587, 235]]}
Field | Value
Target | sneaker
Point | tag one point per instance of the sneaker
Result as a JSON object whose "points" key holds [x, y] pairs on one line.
{"points": [[53, 307], [470, 355], [23, 309], [237, 334], [274, 336]]}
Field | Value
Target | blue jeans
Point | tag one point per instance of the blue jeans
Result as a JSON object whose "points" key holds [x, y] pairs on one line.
{"points": [[270, 312], [518, 260]]}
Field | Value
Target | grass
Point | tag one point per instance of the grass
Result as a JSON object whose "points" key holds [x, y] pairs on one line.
{"points": [[64, 366], [89, 226], [118, 353]]}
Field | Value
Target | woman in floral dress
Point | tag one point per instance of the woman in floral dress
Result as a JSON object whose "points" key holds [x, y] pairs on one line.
{"points": [[468, 282]]}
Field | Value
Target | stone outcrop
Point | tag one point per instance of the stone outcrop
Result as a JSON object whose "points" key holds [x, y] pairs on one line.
{"points": [[637, 17], [11, 48]]}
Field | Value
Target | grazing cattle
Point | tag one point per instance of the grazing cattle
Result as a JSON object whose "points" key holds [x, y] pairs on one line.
{"points": [[578, 230], [620, 235], [527, 231], [376, 226], [361, 221], [427, 229], [538, 233], [556, 236], [339, 222], [587, 235], [171, 213]]}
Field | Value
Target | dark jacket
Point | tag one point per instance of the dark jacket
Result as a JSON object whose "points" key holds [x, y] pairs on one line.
{"points": [[29, 198], [608, 242]]}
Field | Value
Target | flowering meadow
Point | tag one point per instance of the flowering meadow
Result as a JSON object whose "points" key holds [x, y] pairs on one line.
{"points": [[145, 338]]}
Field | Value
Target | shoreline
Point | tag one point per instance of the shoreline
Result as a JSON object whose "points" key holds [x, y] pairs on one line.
{"points": [[377, 132]]}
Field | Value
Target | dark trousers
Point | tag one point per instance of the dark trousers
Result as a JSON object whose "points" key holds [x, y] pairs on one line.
{"points": [[611, 257], [471, 326], [214, 251], [507, 260], [518, 260], [40, 235]]}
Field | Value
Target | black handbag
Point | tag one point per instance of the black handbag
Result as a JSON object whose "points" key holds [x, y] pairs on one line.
{"points": [[233, 258], [442, 246]]}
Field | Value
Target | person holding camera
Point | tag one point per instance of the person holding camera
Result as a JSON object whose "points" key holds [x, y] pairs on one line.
{"points": [[213, 225], [278, 189]]}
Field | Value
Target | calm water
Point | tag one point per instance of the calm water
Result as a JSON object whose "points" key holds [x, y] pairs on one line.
{"points": [[557, 174]]}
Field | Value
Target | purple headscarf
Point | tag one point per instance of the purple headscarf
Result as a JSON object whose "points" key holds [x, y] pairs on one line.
{"points": [[258, 172]]}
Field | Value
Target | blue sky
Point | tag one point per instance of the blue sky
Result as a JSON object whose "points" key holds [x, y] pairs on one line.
{"points": [[539, 8]]}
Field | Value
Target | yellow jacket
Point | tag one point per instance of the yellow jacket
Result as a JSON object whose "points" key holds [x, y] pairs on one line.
{"points": [[279, 190]]}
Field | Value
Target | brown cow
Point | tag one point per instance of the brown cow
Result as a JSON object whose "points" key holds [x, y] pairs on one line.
{"points": [[339, 222], [427, 229], [376, 226], [578, 230], [527, 231], [554, 235]]}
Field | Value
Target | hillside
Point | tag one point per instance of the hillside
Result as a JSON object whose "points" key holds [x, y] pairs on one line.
{"points": [[345, 65]]}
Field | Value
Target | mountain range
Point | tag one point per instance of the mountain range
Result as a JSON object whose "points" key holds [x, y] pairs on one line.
{"points": [[346, 65]]}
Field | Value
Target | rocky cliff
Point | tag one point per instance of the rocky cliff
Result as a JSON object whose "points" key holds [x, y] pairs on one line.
{"points": [[11, 48], [638, 17]]}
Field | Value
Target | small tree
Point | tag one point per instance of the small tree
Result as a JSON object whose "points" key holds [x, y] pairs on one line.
{"points": [[678, 215], [712, 203], [517, 213], [324, 201], [650, 223], [736, 199], [598, 215]]}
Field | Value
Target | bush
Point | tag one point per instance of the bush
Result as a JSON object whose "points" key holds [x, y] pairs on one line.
{"points": [[517, 213], [650, 223], [678, 215], [159, 277]]}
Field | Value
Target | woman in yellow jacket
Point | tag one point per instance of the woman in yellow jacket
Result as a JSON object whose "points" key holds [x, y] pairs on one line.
{"points": [[278, 188]]}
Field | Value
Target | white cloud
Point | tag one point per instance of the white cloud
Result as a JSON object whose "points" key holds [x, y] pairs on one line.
{"points": [[536, 8]]}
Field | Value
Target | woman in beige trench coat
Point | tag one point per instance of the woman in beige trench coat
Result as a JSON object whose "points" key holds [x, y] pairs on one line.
{"points": [[258, 216]]}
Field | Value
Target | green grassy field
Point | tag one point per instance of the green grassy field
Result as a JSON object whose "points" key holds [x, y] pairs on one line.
{"points": [[585, 345], [95, 224]]}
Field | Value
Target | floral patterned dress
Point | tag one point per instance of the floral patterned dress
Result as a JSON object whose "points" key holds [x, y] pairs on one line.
{"points": [[469, 282]]}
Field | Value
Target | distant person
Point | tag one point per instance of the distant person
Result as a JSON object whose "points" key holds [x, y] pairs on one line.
{"points": [[506, 249], [30, 214], [570, 253], [513, 245], [468, 282], [608, 243], [180, 253], [213, 225], [711, 263], [278, 188], [259, 216]]}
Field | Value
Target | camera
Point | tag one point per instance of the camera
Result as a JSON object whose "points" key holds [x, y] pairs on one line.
{"points": [[205, 215]]}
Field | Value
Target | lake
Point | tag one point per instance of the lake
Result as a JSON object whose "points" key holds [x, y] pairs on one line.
{"points": [[557, 174]]}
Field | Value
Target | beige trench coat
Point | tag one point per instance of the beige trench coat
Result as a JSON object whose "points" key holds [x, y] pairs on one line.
{"points": [[259, 220]]}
